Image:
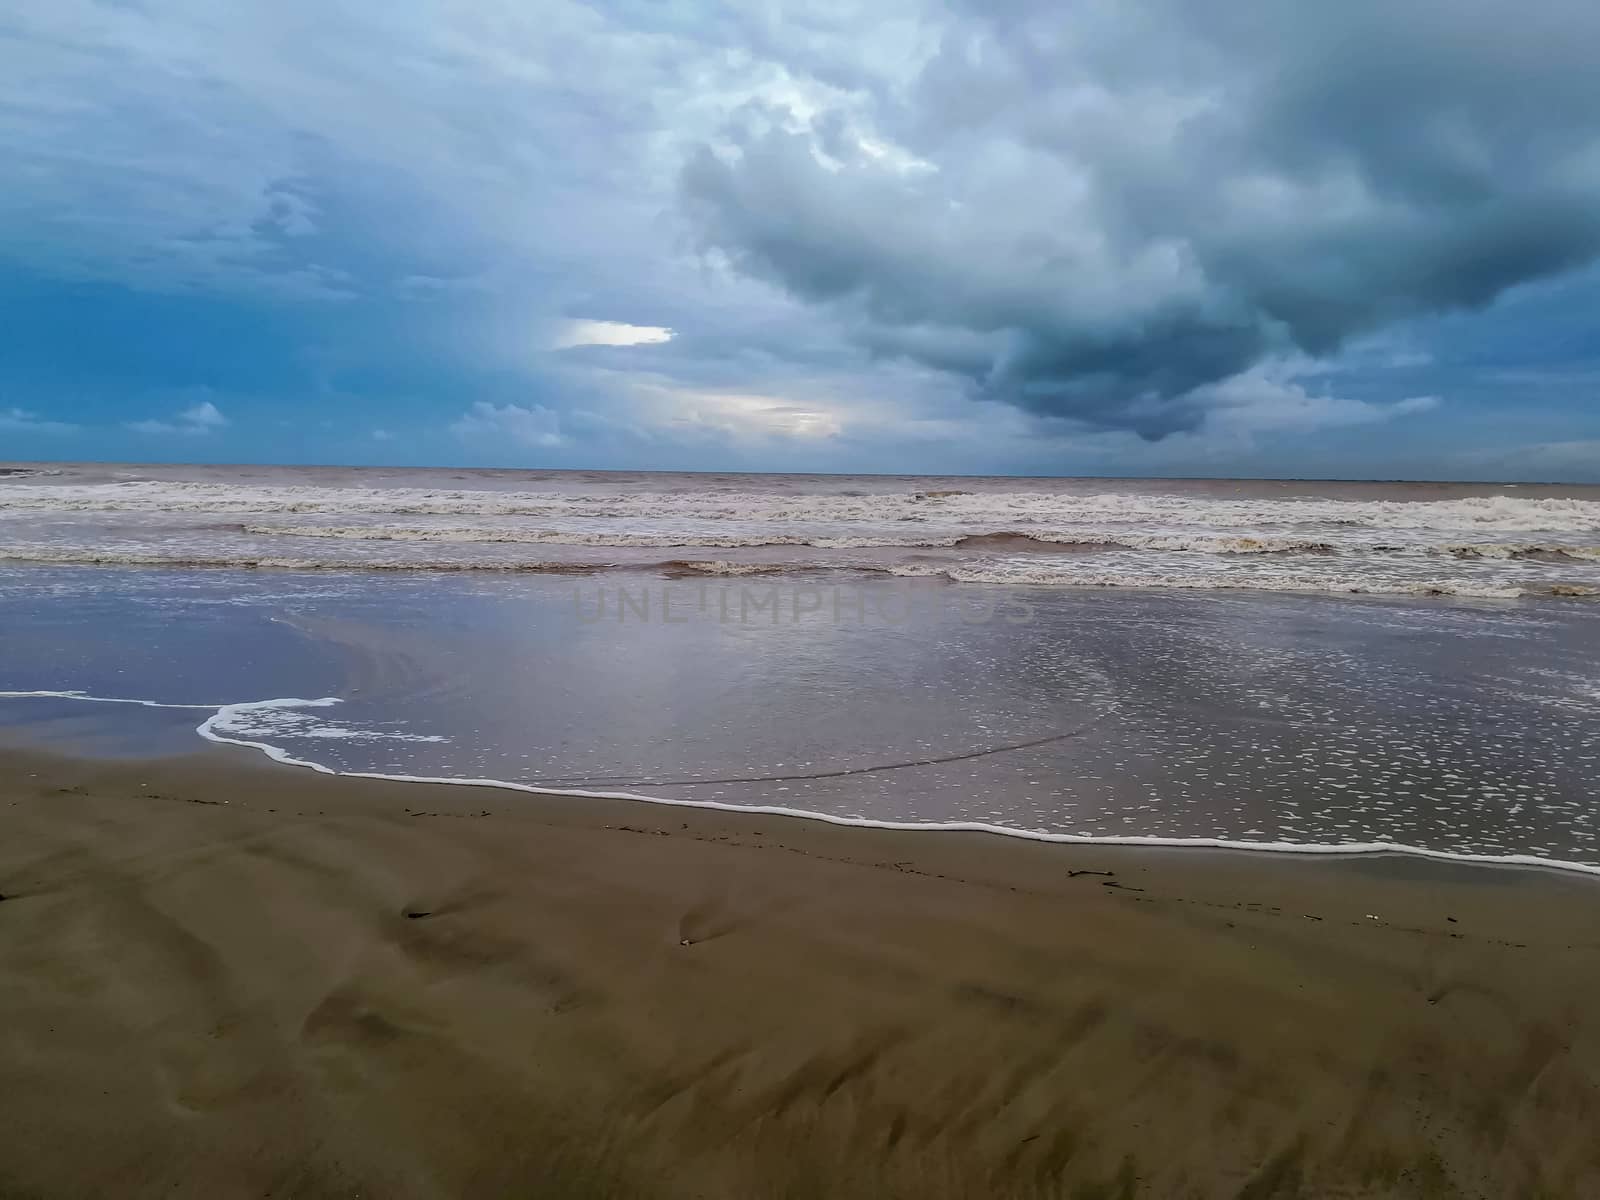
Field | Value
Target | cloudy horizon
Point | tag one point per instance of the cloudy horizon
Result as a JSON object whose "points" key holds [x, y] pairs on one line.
{"points": [[1143, 238]]}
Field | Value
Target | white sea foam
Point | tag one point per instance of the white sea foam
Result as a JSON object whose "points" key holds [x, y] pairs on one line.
{"points": [[88, 699], [1066, 535], [588, 537], [1063, 537], [85, 556], [722, 567], [1045, 574], [993, 509], [1345, 576], [711, 537]]}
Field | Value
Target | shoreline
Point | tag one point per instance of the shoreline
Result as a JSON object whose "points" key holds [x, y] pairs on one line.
{"points": [[206, 732], [254, 774], [250, 979]]}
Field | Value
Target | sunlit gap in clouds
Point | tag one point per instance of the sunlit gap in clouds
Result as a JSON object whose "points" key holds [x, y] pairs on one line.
{"points": [[742, 414], [608, 333]]}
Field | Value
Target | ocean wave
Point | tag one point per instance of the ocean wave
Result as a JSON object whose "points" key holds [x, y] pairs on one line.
{"points": [[1494, 546], [723, 567], [1044, 574], [1023, 570], [491, 535], [1059, 540], [986, 509], [80, 556], [1524, 550]]}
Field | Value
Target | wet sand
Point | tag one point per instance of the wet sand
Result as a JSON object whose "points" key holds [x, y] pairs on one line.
{"points": [[223, 978]]}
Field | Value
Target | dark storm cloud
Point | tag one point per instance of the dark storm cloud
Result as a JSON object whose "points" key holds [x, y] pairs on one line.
{"points": [[1098, 212], [1147, 215]]}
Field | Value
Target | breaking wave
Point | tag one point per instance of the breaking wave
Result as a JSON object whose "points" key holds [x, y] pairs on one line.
{"points": [[996, 509], [1062, 540], [1055, 534], [1022, 570]]}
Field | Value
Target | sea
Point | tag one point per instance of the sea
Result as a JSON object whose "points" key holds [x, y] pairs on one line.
{"points": [[1315, 667]]}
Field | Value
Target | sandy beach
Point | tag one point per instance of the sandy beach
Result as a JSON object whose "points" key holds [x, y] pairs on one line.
{"points": [[220, 977], [708, 601]]}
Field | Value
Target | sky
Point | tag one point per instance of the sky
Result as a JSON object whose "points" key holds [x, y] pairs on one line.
{"points": [[1130, 237]]}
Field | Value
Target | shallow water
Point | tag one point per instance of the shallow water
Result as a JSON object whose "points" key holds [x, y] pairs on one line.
{"points": [[1456, 726]]}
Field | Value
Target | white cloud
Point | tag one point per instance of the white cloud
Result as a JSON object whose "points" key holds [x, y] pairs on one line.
{"points": [[23, 421], [534, 425], [382, 435], [179, 148], [193, 421], [608, 333]]}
